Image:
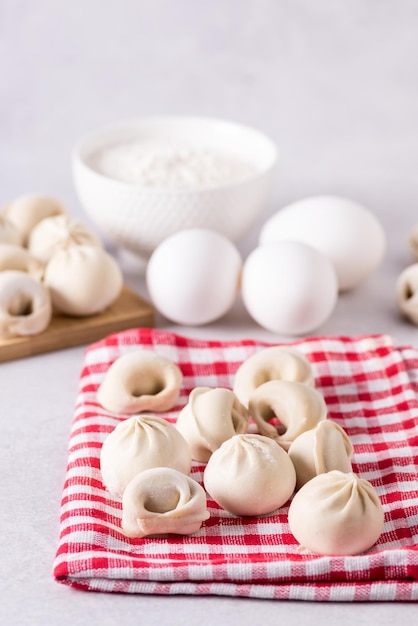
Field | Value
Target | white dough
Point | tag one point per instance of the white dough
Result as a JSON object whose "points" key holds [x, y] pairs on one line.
{"points": [[139, 443], [14, 257], [25, 305], [140, 381], [28, 210], [83, 280], [250, 475], [336, 514], [56, 232], [321, 449], [295, 405], [162, 500], [210, 417], [9, 234], [413, 242], [274, 363], [407, 292]]}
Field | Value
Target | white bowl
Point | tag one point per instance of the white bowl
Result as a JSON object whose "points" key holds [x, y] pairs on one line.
{"points": [[137, 217]]}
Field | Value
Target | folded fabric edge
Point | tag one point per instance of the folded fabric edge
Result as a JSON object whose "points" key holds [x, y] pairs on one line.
{"points": [[376, 591], [392, 566], [145, 334]]}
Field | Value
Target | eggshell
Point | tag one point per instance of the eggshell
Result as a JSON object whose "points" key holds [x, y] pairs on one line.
{"points": [[193, 276], [289, 287], [346, 232]]}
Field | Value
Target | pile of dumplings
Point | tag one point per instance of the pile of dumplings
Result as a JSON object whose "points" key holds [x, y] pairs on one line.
{"points": [[262, 442], [50, 262]]}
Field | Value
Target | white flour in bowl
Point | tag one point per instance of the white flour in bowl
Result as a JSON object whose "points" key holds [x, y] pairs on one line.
{"points": [[170, 165]]}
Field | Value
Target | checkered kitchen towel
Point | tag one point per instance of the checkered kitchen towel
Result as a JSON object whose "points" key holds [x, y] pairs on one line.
{"points": [[370, 387]]}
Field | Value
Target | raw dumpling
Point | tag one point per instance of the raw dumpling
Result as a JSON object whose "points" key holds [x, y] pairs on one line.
{"points": [[56, 232], [27, 210], [25, 305], [250, 475], [9, 233], [139, 443], [407, 293], [162, 501], [413, 242], [275, 363], [321, 449], [294, 405], [14, 257], [336, 514], [140, 381], [83, 280], [210, 417]]}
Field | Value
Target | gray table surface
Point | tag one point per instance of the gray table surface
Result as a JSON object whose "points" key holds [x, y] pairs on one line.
{"points": [[334, 83]]}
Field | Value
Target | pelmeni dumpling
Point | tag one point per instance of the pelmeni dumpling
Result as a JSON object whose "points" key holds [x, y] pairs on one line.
{"points": [[336, 514], [407, 292], [140, 381], [162, 500], [274, 363], [83, 280], [139, 443], [25, 305], [321, 449], [9, 233], [250, 475], [210, 417], [27, 210], [56, 232], [14, 257], [294, 405], [413, 242]]}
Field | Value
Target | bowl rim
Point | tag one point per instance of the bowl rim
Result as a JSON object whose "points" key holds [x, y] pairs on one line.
{"points": [[95, 133]]}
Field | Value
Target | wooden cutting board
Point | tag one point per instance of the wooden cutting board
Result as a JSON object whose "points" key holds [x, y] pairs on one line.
{"points": [[128, 311]]}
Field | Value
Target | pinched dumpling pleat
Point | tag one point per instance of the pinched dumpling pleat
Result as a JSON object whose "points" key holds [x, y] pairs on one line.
{"points": [[274, 363], [294, 405], [25, 305], [210, 417], [321, 449], [336, 514], [140, 381], [250, 475], [14, 257], [163, 501], [55, 232], [139, 443]]}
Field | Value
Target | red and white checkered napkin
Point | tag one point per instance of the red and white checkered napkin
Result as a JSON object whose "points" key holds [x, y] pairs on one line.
{"points": [[370, 387]]}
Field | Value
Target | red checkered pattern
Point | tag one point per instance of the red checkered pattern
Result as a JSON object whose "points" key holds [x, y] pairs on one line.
{"points": [[370, 387]]}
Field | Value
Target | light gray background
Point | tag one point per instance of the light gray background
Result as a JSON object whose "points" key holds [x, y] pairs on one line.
{"points": [[334, 82]]}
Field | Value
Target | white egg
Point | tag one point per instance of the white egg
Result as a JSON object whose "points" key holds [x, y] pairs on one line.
{"points": [[193, 276], [346, 232], [289, 287]]}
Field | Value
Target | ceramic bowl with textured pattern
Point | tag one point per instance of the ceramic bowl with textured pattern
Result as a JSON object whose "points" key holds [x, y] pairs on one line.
{"points": [[136, 216]]}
